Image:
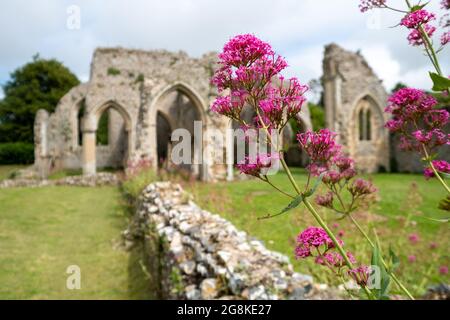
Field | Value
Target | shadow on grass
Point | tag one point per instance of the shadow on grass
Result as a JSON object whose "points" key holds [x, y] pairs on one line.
{"points": [[142, 283]]}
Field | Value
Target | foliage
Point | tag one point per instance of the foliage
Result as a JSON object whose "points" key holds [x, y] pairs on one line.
{"points": [[16, 153], [39, 84], [102, 131], [317, 116], [113, 71]]}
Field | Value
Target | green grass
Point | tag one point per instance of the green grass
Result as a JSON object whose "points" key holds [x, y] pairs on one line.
{"points": [[44, 230], [7, 170], [243, 202]]}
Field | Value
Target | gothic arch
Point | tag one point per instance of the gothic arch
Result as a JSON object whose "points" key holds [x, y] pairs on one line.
{"points": [[90, 126], [200, 108], [367, 135]]}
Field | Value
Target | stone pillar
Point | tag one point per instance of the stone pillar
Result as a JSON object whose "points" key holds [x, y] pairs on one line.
{"points": [[89, 145], [89, 161]]}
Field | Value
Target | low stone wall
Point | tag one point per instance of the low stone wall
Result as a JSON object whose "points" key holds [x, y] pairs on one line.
{"points": [[100, 179], [194, 254]]}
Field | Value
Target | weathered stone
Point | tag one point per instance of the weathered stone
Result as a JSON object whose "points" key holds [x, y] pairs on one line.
{"points": [[188, 267], [209, 289], [257, 293], [217, 250], [192, 292]]}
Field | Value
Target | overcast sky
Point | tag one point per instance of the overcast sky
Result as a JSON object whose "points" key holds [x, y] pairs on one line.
{"points": [[297, 29]]}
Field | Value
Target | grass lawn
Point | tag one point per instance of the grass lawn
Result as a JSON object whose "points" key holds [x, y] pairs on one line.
{"points": [[44, 230], [243, 202]]}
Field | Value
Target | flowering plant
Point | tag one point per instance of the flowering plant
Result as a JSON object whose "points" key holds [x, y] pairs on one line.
{"points": [[414, 114], [249, 76]]}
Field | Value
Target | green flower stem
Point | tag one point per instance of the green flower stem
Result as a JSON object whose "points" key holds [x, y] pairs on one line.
{"points": [[335, 241], [428, 45], [310, 207], [393, 276], [436, 173]]}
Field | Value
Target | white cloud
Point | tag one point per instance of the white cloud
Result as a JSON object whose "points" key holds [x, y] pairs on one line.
{"points": [[297, 29]]}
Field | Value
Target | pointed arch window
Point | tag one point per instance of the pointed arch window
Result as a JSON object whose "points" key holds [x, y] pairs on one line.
{"points": [[365, 125]]}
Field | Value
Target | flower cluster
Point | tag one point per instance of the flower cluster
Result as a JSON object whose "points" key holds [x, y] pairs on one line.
{"points": [[445, 4], [445, 38], [246, 62], [366, 5], [315, 242], [361, 187], [416, 119], [321, 148], [414, 238], [249, 73], [255, 165], [250, 70], [417, 18], [440, 166], [414, 21], [360, 275], [325, 200], [415, 37]]}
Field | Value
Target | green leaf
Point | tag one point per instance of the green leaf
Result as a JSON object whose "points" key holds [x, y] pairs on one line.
{"points": [[419, 7], [445, 220], [294, 204], [440, 83], [395, 261], [385, 280], [311, 191], [444, 175]]}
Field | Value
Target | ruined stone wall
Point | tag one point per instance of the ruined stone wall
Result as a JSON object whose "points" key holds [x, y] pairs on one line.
{"points": [[133, 83], [195, 254], [350, 86]]}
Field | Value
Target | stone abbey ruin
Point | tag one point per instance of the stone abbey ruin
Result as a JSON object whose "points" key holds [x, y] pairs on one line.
{"points": [[148, 94]]}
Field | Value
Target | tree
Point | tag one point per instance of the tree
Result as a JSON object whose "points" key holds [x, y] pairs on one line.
{"points": [[39, 84], [317, 116], [398, 86]]}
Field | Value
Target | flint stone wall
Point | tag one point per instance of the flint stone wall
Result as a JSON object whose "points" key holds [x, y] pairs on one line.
{"points": [[199, 255]]}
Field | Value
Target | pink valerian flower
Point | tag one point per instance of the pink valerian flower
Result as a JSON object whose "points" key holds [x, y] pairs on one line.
{"points": [[244, 50], [433, 138], [415, 36], [440, 166], [246, 62], [413, 238], [445, 38], [248, 69], [334, 259], [313, 238], [366, 5], [409, 103], [360, 275], [443, 270], [361, 187], [417, 18], [433, 245], [436, 118], [413, 108], [412, 258], [256, 165], [320, 146], [344, 169], [325, 200]]}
